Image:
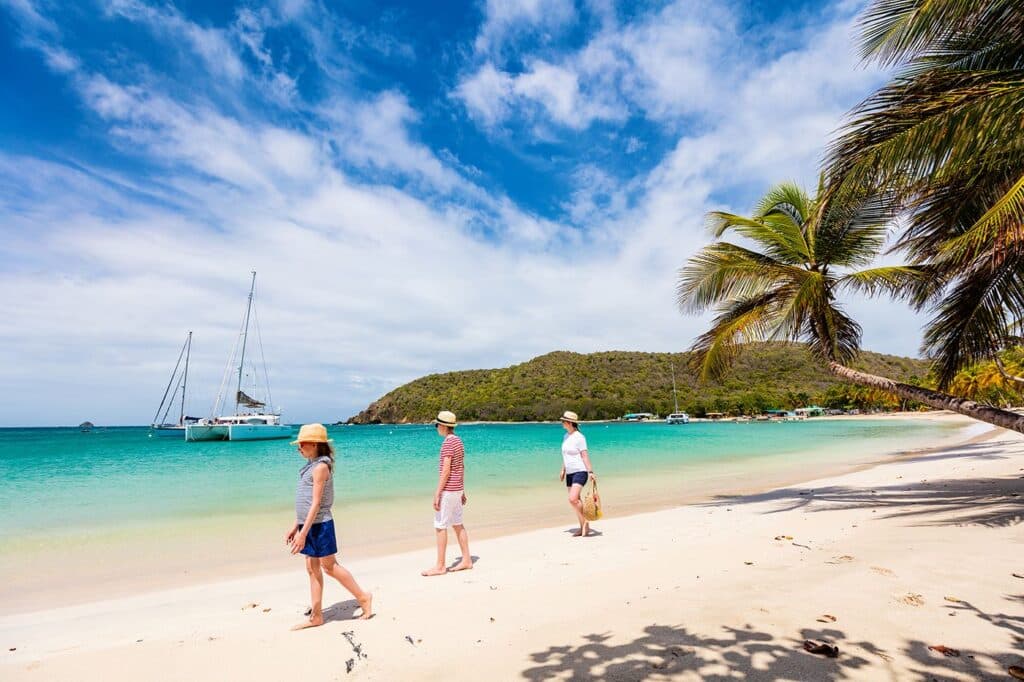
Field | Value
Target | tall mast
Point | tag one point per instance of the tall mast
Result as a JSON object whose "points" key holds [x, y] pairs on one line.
{"points": [[245, 336], [163, 401], [184, 381], [674, 396]]}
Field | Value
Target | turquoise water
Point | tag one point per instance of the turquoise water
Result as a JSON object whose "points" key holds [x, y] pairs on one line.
{"points": [[52, 478]]}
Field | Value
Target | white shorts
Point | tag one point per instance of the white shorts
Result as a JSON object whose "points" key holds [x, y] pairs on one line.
{"points": [[451, 510]]}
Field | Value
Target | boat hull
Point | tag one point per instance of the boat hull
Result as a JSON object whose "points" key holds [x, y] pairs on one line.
{"points": [[258, 431], [167, 431], [199, 432]]}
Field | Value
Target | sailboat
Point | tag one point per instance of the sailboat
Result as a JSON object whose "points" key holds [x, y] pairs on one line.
{"points": [[676, 417], [160, 426], [251, 420]]}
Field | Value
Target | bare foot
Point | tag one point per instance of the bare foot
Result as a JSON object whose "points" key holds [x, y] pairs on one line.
{"points": [[461, 566], [366, 604], [313, 622], [586, 530], [433, 571]]}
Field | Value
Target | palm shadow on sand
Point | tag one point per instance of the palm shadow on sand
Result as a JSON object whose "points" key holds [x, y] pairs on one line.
{"points": [[666, 652], [984, 501]]}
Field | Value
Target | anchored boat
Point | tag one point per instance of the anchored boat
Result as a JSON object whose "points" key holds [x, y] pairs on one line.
{"points": [[251, 420], [160, 426], [676, 417]]}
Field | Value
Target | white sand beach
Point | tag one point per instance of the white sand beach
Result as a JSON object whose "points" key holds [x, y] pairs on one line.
{"points": [[883, 562]]}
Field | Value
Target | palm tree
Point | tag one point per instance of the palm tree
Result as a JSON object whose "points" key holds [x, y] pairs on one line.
{"points": [[945, 138], [785, 288]]}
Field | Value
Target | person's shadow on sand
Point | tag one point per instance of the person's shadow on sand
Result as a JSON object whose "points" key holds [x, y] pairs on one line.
{"points": [[342, 610], [575, 531], [458, 560]]}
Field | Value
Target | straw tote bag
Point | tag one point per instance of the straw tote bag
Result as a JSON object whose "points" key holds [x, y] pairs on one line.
{"points": [[591, 501]]}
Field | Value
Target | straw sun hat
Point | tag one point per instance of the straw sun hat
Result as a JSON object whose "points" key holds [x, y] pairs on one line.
{"points": [[446, 418], [312, 433], [570, 417]]}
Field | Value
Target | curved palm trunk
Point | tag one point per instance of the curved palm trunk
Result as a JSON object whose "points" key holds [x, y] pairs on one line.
{"points": [[940, 401]]}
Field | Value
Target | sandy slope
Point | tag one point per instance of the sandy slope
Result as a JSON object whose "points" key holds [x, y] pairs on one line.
{"points": [[697, 592]]}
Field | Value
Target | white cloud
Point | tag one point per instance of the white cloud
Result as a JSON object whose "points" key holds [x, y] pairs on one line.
{"points": [[670, 63], [212, 45], [486, 94], [29, 17], [374, 133], [503, 19], [492, 96]]}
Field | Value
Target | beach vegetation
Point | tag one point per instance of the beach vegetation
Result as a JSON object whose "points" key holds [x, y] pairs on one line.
{"points": [[999, 381]]}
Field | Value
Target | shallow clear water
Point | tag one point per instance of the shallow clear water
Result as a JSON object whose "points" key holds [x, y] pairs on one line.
{"points": [[62, 478]]}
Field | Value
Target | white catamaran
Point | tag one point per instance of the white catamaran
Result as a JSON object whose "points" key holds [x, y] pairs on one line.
{"points": [[160, 426], [257, 424]]}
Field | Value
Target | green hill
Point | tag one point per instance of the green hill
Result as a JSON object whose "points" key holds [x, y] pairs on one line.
{"points": [[610, 384]]}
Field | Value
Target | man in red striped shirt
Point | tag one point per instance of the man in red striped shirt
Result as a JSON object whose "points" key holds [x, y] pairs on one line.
{"points": [[450, 497]]}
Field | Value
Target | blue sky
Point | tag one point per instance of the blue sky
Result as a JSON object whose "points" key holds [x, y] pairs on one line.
{"points": [[422, 187]]}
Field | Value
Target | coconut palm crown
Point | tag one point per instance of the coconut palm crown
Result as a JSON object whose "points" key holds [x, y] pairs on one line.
{"points": [[945, 137], [784, 286]]}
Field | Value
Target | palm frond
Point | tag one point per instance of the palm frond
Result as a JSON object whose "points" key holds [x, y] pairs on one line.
{"points": [[740, 321], [899, 30], [970, 322], [1000, 231], [724, 271], [832, 335], [913, 128], [780, 237], [897, 281], [853, 227]]}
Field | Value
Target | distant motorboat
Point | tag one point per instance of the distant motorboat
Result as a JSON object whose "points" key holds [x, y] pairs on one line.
{"points": [[260, 424]]}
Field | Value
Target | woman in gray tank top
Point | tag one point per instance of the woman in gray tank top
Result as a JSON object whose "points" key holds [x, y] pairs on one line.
{"points": [[313, 531]]}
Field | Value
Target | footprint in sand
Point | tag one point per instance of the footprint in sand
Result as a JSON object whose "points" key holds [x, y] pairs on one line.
{"points": [[912, 599], [846, 558], [882, 571]]}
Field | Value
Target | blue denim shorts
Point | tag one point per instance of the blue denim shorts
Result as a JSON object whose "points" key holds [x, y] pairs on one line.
{"points": [[578, 478], [320, 541]]}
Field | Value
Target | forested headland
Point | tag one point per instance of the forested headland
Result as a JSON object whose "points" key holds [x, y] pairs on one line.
{"points": [[609, 384]]}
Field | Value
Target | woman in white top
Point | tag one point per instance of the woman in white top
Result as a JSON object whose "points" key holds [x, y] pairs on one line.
{"points": [[575, 467]]}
